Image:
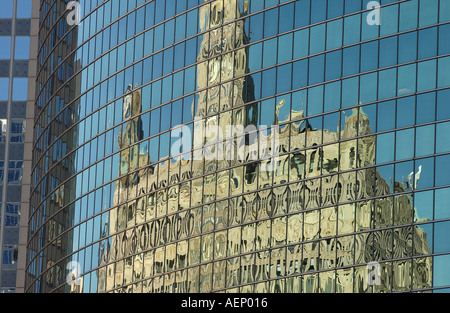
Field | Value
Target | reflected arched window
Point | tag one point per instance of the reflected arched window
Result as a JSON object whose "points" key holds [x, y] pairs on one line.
{"points": [[298, 161], [320, 162], [250, 173], [352, 157], [311, 161]]}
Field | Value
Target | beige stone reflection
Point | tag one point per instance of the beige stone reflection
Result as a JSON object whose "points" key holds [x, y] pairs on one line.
{"points": [[179, 232]]}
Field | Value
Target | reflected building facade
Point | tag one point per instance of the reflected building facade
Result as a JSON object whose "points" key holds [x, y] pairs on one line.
{"points": [[332, 212]]}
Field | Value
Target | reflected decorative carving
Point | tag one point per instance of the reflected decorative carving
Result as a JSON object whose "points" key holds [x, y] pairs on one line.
{"points": [[226, 226]]}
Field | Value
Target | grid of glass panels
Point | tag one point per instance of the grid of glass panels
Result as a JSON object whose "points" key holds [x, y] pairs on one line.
{"points": [[15, 20], [362, 112]]}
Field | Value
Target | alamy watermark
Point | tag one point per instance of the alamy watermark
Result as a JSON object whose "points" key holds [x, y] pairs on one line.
{"points": [[374, 274], [374, 16], [73, 18], [73, 278]]}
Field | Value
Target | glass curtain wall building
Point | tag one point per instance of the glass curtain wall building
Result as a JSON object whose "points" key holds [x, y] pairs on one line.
{"points": [[241, 146], [15, 146]]}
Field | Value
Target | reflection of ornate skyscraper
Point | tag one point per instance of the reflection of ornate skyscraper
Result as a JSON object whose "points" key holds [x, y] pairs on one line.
{"points": [[130, 134], [224, 56], [131, 181], [312, 225]]}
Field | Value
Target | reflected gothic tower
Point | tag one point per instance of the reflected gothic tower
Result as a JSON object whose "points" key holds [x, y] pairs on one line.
{"points": [[223, 58]]}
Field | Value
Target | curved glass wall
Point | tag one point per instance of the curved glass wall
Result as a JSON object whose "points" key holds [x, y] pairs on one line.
{"points": [[242, 146]]}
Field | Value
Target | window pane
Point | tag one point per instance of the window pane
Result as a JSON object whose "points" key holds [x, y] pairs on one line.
{"points": [[7, 9], [5, 47], [20, 87]]}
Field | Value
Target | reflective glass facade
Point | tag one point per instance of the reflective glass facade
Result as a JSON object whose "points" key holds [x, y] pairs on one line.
{"points": [[336, 165]]}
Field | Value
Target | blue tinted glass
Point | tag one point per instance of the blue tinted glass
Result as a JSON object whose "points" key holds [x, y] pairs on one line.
{"points": [[5, 47], [192, 23], [169, 32], [332, 96], [170, 8], [406, 117], [333, 65], [256, 30], [192, 3], [427, 43], [426, 109], [150, 14], [301, 40], [156, 93], [315, 101], [387, 83], [4, 85], [444, 44], [164, 145], [177, 113], [270, 52], [428, 12], [180, 28], [7, 9], [166, 117], [140, 20], [270, 23], [441, 234], [334, 34], [352, 32], [426, 75], [284, 78], [267, 112], [301, 13], [191, 51], [442, 142], [352, 6], [385, 148], [407, 47], [317, 39], [255, 57], [441, 271], [159, 11], [386, 116], [20, 87], [157, 65], [389, 20], [166, 89], [368, 88], [158, 42], [443, 166], [23, 8], [300, 77], [406, 79], [350, 61], [155, 122], [316, 69], [268, 86], [388, 52], [286, 18], [350, 88], [318, 11], [168, 61], [443, 72], [408, 15], [425, 138], [181, 6], [369, 56], [335, 8]]}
